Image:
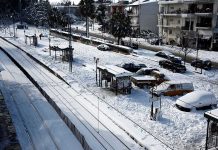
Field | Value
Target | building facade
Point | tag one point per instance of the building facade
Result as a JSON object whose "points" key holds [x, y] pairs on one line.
{"points": [[192, 19], [143, 15]]}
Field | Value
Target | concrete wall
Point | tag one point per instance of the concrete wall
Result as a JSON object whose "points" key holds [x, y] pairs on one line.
{"points": [[148, 16]]}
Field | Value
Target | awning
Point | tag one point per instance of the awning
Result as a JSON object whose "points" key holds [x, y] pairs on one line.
{"points": [[206, 34]]}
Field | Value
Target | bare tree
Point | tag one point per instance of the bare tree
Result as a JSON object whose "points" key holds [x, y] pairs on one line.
{"points": [[186, 41]]}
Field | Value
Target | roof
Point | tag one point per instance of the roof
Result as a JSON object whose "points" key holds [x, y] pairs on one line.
{"points": [[212, 115], [115, 70], [142, 2], [144, 78], [177, 82]]}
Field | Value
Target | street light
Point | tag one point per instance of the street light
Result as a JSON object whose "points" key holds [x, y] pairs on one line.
{"points": [[70, 46], [12, 16], [96, 60], [49, 41]]}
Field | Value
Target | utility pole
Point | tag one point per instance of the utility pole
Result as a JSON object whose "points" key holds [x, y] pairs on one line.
{"points": [[96, 60], [70, 46]]}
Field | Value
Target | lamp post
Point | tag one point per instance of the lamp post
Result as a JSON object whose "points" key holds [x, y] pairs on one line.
{"points": [[96, 60], [12, 16], [49, 41], [70, 46]]}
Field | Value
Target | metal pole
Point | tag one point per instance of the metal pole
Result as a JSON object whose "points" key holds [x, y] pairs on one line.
{"points": [[13, 26], [98, 115], [207, 134], [196, 49], [70, 49]]}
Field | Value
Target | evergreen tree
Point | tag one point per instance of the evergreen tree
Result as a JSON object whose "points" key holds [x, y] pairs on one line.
{"points": [[120, 26], [87, 10], [100, 15]]}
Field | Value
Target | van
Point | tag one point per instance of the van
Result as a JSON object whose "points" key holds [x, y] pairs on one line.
{"points": [[173, 88]]}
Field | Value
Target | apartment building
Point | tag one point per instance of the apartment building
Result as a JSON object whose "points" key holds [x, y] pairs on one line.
{"points": [[143, 15], [195, 20]]}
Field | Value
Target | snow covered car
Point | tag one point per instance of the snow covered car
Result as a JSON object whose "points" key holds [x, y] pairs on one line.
{"points": [[173, 88], [132, 67], [103, 47], [148, 77], [196, 99]]}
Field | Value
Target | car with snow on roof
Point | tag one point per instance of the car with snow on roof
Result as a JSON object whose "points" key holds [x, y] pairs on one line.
{"points": [[199, 100], [132, 67], [173, 88], [204, 64], [175, 67], [148, 77], [103, 47]]}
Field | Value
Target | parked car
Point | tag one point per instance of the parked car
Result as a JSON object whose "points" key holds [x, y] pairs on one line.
{"points": [[22, 26], [148, 77], [169, 56], [196, 99], [103, 47], [175, 59], [132, 45], [175, 67], [132, 67], [146, 71], [163, 54], [173, 88], [204, 64], [157, 42]]}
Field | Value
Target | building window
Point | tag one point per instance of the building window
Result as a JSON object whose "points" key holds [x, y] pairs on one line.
{"points": [[178, 21], [170, 31], [171, 7]]}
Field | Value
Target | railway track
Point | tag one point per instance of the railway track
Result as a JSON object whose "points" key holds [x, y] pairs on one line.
{"points": [[53, 87], [22, 115]]}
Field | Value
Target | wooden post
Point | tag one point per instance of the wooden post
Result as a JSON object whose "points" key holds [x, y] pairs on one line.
{"points": [[99, 79], [116, 86], [207, 134]]}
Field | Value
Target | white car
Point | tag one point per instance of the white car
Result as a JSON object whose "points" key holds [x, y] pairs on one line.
{"points": [[103, 47], [196, 99]]}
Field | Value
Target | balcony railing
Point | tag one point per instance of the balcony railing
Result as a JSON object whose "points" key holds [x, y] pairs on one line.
{"points": [[207, 25], [179, 11]]}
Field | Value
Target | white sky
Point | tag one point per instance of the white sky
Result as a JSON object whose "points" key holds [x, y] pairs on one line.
{"points": [[56, 1]]}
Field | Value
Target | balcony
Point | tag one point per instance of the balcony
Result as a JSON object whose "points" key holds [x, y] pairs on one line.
{"points": [[205, 12], [162, 2], [170, 25], [204, 25]]}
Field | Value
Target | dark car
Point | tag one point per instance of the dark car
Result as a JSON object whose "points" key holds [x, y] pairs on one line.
{"points": [[207, 64], [132, 45], [172, 66], [169, 56], [163, 54], [175, 59], [132, 67], [146, 71]]}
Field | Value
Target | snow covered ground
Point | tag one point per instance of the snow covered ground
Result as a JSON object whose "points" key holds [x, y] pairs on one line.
{"points": [[179, 130], [202, 54], [37, 124]]}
